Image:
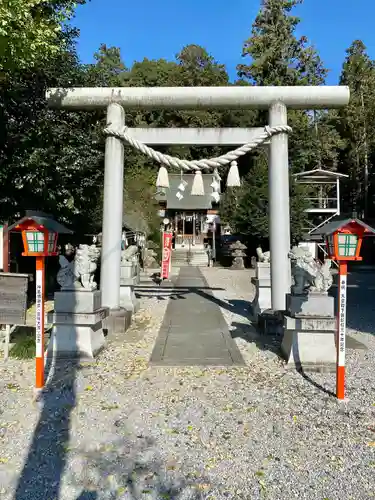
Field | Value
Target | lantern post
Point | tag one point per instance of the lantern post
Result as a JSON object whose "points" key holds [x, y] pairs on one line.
{"points": [[343, 242], [39, 236]]}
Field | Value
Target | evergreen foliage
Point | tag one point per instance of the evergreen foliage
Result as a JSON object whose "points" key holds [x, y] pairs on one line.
{"points": [[53, 159]]}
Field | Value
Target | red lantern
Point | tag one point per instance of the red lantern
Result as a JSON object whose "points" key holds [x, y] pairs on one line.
{"points": [[39, 235], [343, 241], [38, 241]]}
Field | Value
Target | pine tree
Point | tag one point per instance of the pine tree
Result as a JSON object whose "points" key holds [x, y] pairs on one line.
{"points": [[356, 129], [276, 56]]}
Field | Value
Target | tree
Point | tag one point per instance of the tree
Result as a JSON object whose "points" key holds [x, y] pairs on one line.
{"points": [[30, 31], [355, 127], [50, 159], [109, 69], [199, 68], [246, 208], [276, 56]]}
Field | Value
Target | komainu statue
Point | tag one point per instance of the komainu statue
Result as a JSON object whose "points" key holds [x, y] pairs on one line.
{"points": [[309, 275], [263, 256], [79, 273], [130, 254]]}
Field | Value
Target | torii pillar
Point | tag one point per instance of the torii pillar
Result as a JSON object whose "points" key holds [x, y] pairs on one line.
{"points": [[275, 99]]}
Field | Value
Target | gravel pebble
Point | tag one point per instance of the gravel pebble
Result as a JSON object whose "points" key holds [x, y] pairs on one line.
{"points": [[117, 428]]}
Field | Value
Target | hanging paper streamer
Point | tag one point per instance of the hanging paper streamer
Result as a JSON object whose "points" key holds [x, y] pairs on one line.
{"points": [[182, 185], [163, 180], [217, 175], [233, 179], [215, 184], [197, 188]]}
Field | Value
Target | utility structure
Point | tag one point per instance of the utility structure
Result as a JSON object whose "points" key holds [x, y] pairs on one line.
{"points": [[323, 203], [275, 99]]}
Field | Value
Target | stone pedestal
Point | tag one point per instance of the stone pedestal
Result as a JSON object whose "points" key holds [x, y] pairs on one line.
{"points": [[129, 277], [128, 299], [262, 283], [128, 270], [312, 305], [118, 321], [77, 325], [309, 333], [78, 302]]}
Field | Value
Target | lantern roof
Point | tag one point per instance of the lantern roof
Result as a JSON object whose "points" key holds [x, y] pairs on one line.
{"points": [[41, 219], [339, 223]]}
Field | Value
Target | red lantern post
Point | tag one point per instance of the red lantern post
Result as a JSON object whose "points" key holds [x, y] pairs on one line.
{"points": [[38, 242], [39, 235], [343, 240]]}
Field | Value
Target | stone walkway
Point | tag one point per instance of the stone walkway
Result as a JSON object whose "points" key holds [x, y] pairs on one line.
{"points": [[194, 331]]}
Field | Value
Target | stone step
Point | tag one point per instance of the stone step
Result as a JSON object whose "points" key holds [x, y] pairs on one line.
{"points": [[196, 257]]}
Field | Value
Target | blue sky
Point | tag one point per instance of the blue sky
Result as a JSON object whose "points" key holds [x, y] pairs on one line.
{"points": [[159, 29]]}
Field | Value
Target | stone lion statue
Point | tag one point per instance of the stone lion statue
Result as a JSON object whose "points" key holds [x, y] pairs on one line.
{"points": [[129, 254], [80, 272], [263, 256], [309, 275]]}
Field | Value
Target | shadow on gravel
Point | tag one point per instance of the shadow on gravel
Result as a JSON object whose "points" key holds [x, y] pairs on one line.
{"points": [[239, 307], [88, 495], [234, 306], [315, 384], [250, 334], [128, 464], [124, 464], [45, 463], [169, 292], [131, 466], [271, 343]]}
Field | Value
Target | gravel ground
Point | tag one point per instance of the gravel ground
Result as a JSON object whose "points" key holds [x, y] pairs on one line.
{"points": [[118, 429]]}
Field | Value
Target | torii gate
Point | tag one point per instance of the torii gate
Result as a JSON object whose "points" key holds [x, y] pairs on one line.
{"points": [[275, 99]]}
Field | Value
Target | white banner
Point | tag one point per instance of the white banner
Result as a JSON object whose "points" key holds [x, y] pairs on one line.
{"points": [[39, 314], [342, 320]]}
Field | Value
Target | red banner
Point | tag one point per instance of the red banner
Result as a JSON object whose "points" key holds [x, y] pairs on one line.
{"points": [[167, 255]]}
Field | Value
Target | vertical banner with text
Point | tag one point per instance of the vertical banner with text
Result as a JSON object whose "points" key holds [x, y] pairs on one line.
{"points": [[39, 324], [39, 314], [340, 370], [166, 255]]}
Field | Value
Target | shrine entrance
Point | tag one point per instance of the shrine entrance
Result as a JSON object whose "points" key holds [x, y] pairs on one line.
{"points": [[188, 227], [276, 99]]}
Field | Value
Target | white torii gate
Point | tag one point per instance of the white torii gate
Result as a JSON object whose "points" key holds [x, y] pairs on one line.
{"points": [[275, 99]]}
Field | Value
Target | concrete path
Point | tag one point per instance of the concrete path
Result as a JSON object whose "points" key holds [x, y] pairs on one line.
{"points": [[194, 331]]}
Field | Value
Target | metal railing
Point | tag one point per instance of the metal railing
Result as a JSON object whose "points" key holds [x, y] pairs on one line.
{"points": [[322, 203]]}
